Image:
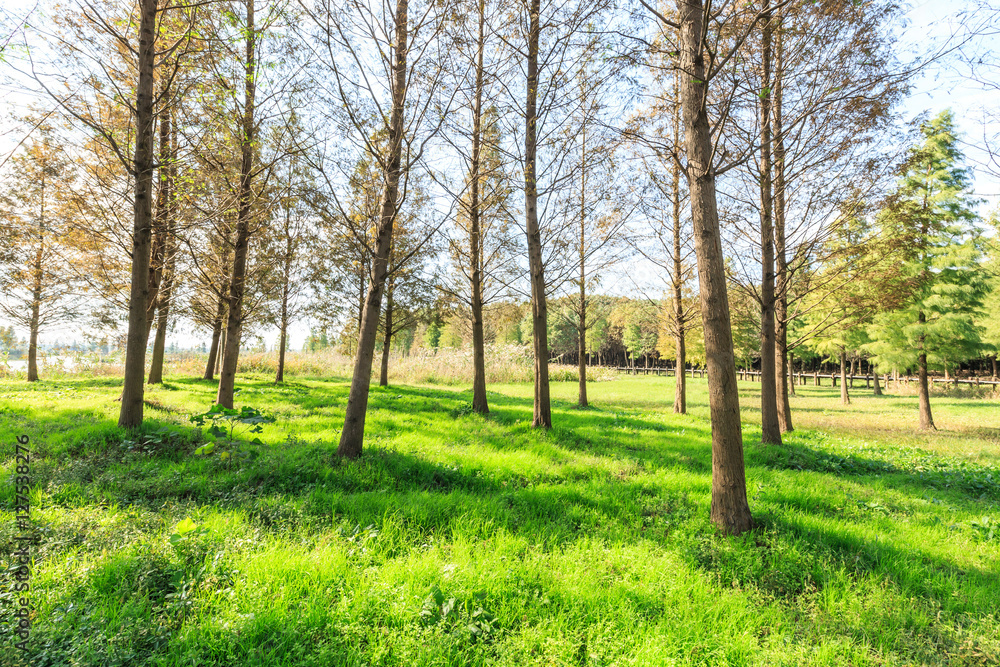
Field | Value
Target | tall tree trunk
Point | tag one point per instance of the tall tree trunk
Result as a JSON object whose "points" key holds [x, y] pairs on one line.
{"points": [[770, 426], [923, 391], [222, 347], [36, 287], [213, 351], [237, 287], [782, 358], [161, 221], [582, 312], [133, 386], [790, 380], [387, 341], [160, 341], [994, 363], [539, 311], [878, 387], [170, 261], [677, 279], [730, 511], [352, 436], [286, 281], [479, 402], [33, 344], [366, 272], [582, 345], [36, 302], [845, 397], [279, 376]]}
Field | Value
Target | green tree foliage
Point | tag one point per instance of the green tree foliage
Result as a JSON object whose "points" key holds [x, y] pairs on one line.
{"points": [[639, 325], [989, 319], [935, 325]]}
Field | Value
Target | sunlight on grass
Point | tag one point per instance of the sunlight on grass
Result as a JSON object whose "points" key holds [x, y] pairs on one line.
{"points": [[462, 540]]}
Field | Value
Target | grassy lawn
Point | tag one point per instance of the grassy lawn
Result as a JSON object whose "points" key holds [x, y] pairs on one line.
{"points": [[458, 540]]}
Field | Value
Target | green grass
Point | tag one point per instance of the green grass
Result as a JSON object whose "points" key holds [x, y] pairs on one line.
{"points": [[458, 540]]}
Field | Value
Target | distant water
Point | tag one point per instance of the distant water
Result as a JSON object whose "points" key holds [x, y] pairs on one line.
{"points": [[21, 365]]}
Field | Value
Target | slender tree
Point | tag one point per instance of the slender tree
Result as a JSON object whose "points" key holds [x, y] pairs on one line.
{"points": [[394, 136], [38, 211], [770, 427], [932, 209], [707, 43]]}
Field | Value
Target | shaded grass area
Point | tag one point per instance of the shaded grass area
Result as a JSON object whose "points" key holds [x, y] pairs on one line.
{"points": [[459, 540]]}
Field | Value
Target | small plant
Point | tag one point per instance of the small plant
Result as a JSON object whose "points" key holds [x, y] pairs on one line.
{"points": [[457, 617], [186, 540], [462, 410], [987, 527], [251, 419], [153, 442], [186, 531]]}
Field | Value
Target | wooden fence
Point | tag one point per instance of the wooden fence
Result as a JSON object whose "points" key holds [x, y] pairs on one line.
{"points": [[817, 378]]}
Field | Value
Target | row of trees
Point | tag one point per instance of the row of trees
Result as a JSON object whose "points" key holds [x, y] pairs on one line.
{"points": [[241, 163]]}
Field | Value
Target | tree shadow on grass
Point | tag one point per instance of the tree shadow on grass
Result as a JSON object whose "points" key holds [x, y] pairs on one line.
{"points": [[298, 486], [927, 471]]}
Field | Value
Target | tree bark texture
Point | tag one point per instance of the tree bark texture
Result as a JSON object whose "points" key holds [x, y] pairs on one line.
{"points": [[161, 221], [479, 401], [130, 415], [730, 511], [539, 313], [170, 262], [36, 288], [237, 286], [352, 436], [923, 390], [582, 314], [163, 317], [213, 351], [286, 281], [383, 380], [680, 380], [782, 360], [770, 427]]}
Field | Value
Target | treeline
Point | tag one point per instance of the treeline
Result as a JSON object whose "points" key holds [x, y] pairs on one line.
{"points": [[415, 170]]}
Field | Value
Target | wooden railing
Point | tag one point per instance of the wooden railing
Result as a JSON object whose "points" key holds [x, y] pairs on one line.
{"points": [[817, 378]]}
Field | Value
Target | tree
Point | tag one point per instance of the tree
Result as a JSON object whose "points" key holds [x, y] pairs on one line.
{"points": [[668, 247], [36, 278], [385, 118], [693, 44], [167, 209], [142, 168], [248, 137], [408, 288], [639, 325], [770, 427], [989, 321], [542, 415], [482, 252], [569, 29], [932, 209], [140, 66], [600, 218], [290, 250]]}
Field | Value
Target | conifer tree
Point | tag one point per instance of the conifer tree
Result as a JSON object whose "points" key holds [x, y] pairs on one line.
{"points": [[932, 209]]}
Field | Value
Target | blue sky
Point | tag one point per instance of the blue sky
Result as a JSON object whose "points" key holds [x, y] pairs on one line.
{"points": [[947, 85]]}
